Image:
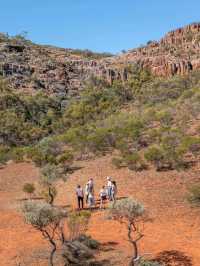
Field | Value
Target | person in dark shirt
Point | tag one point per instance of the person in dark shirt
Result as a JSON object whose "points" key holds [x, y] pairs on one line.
{"points": [[80, 197]]}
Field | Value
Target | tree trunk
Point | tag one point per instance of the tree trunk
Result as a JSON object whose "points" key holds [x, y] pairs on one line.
{"points": [[134, 244], [51, 196], [53, 244], [52, 254]]}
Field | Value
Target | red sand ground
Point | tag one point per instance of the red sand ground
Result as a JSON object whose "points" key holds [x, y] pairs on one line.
{"points": [[174, 225]]}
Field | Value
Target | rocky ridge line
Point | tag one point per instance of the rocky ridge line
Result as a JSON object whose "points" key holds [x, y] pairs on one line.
{"points": [[59, 71]]}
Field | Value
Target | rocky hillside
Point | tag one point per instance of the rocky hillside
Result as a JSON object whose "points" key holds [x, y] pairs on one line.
{"points": [[63, 72], [58, 71]]}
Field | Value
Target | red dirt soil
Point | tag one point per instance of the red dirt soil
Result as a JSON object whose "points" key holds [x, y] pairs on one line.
{"points": [[173, 229]]}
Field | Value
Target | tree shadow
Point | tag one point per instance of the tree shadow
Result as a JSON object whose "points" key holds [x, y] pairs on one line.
{"points": [[108, 246], [72, 169], [67, 206], [119, 198], [31, 198], [92, 209], [174, 258]]}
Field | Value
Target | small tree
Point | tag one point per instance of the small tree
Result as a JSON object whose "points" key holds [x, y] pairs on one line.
{"points": [[130, 212], [155, 155], [29, 188], [46, 219], [135, 162], [49, 174], [78, 223]]}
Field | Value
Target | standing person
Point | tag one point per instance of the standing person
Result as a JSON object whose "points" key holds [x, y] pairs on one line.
{"points": [[90, 200], [80, 197], [113, 191], [109, 187], [91, 186], [86, 192], [103, 197]]}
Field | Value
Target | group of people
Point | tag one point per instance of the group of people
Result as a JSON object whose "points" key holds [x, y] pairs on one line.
{"points": [[107, 192]]}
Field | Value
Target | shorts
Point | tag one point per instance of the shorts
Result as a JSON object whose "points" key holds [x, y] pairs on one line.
{"points": [[103, 197]]}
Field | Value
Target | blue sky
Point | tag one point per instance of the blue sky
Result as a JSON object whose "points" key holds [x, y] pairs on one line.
{"points": [[99, 25]]}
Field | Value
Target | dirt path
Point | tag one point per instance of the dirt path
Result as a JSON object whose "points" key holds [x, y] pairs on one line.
{"points": [[174, 226]]}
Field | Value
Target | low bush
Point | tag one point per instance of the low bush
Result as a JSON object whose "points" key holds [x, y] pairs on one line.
{"points": [[17, 154], [29, 188], [155, 155], [4, 154], [135, 162], [78, 223], [89, 242], [194, 194], [117, 162], [149, 263]]}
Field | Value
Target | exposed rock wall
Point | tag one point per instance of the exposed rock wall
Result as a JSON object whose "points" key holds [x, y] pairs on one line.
{"points": [[177, 53], [59, 71]]}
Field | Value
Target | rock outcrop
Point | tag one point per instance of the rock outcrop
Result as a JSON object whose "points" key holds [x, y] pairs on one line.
{"points": [[57, 71], [63, 72], [177, 53]]}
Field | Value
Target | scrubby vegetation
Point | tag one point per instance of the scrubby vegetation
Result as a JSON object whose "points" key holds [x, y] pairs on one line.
{"points": [[89, 54], [194, 194], [52, 222], [29, 188], [145, 121], [47, 220]]}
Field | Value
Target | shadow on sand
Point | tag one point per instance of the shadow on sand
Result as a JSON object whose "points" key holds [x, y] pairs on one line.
{"points": [[174, 257]]}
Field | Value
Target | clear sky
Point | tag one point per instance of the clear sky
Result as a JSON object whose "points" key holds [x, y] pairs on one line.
{"points": [[99, 25]]}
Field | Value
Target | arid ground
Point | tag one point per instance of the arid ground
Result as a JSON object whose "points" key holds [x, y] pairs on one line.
{"points": [[173, 228]]}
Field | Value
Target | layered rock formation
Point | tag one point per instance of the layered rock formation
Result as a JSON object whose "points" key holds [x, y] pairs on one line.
{"points": [[58, 71], [63, 72], [177, 53]]}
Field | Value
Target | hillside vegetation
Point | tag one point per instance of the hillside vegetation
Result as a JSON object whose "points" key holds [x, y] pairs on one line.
{"points": [[144, 121]]}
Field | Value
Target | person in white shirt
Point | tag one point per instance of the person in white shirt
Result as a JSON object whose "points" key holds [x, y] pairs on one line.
{"points": [[109, 188], [86, 192], [91, 201], [80, 197], [113, 191]]}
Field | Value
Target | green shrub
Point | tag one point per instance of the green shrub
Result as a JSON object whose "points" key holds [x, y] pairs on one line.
{"points": [[135, 162], [155, 155], [65, 158], [194, 194], [89, 242], [171, 143], [4, 154], [117, 162], [149, 263], [29, 188], [164, 117], [78, 223], [17, 154], [191, 144]]}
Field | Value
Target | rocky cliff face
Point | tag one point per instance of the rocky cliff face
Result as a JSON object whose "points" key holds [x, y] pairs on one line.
{"points": [[177, 53], [62, 72], [57, 71]]}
